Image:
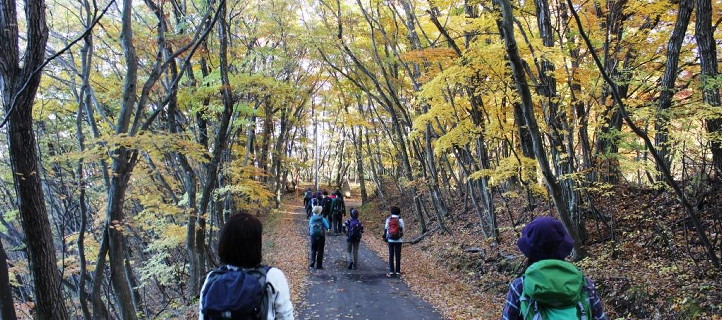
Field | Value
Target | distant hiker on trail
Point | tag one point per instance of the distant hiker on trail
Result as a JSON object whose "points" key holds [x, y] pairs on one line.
{"points": [[326, 204], [545, 242], [307, 196], [242, 288], [317, 226], [353, 229], [312, 202], [393, 234], [338, 211]]}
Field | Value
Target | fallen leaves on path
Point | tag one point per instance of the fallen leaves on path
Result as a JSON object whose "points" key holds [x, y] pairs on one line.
{"points": [[286, 248], [452, 296]]}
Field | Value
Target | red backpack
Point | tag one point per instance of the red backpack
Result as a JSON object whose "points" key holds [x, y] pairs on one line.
{"points": [[395, 232]]}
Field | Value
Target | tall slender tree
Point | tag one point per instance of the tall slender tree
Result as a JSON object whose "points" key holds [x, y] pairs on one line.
{"points": [[20, 77]]}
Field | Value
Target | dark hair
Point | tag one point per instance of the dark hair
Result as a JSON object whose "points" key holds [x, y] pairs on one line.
{"points": [[240, 241], [395, 211], [325, 193]]}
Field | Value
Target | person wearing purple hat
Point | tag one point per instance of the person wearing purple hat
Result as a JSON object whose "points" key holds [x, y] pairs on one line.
{"points": [[550, 287]]}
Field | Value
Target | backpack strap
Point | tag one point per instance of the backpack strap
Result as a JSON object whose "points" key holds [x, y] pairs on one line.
{"points": [[261, 272]]}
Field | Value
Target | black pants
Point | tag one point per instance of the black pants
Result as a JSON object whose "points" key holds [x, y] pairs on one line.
{"points": [[336, 223], [317, 245], [395, 254]]}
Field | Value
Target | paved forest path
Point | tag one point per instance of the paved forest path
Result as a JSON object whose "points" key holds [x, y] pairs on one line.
{"points": [[339, 293]]}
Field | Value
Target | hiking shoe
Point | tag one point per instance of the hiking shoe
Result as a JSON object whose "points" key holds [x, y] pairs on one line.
{"points": [[397, 274], [389, 275], [320, 268]]}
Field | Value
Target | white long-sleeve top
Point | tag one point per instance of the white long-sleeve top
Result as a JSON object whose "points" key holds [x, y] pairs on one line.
{"points": [[280, 306]]}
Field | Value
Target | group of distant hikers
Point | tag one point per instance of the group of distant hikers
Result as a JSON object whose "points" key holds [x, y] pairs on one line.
{"points": [[322, 207], [548, 287]]}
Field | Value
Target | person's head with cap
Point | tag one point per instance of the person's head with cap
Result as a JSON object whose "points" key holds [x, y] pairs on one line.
{"points": [[317, 209], [354, 213], [545, 238]]}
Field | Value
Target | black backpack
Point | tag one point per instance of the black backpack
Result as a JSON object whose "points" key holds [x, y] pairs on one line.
{"points": [[236, 294], [326, 203]]}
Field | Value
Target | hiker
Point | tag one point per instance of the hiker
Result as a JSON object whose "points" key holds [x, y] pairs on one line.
{"points": [[393, 234], [353, 229], [317, 231], [326, 204], [242, 287], [545, 242], [309, 206], [338, 211], [307, 196]]}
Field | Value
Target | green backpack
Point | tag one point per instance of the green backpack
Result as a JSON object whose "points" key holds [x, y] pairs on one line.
{"points": [[554, 289]]}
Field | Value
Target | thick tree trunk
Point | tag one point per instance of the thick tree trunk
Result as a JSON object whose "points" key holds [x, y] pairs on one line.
{"points": [[18, 105], [703, 32]]}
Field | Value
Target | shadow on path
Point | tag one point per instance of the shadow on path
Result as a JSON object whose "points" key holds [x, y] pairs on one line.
{"points": [[339, 293]]}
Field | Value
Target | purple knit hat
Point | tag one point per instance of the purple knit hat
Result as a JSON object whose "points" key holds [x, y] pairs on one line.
{"points": [[545, 238]]}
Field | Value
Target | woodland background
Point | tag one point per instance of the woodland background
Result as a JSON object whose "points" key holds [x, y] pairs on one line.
{"points": [[135, 128]]}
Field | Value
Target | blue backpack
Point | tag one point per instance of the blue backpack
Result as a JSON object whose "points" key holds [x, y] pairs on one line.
{"points": [[355, 228], [236, 294], [316, 226]]}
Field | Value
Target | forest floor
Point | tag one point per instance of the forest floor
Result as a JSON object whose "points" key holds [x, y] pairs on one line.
{"points": [[643, 256]]}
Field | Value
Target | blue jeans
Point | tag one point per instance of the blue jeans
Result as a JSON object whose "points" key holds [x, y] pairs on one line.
{"points": [[395, 254]]}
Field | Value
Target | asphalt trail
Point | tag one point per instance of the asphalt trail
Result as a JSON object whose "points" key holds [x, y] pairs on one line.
{"points": [[366, 293]]}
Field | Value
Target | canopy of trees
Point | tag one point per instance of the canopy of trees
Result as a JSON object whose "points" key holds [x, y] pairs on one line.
{"points": [[134, 128]]}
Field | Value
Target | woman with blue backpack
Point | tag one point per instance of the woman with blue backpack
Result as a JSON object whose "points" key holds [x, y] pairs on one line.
{"points": [[550, 288], [353, 229], [242, 288], [317, 227]]}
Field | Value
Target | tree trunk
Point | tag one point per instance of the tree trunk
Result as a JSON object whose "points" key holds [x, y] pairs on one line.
{"points": [[703, 32], [7, 307], [18, 106], [661, 124], [358, 152], [556, 118], [530, 119], [219, 144], [123, 162]]}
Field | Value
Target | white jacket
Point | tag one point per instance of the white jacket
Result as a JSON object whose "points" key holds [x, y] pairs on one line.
{"points": [[280, 307]]}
